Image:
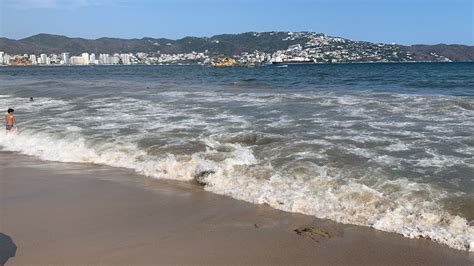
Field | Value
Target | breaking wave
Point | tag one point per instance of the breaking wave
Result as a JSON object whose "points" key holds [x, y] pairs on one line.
{"points": [[229, 167]]}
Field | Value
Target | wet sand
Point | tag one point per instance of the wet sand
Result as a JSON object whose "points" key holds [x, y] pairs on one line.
{"points": [[57, 213]]}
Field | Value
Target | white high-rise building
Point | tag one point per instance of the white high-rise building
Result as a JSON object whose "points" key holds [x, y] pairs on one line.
{"points": [[2, 54], [102, 59], [77, 60], [92, 59], [43, 59], [33, 59], [106, 59], [125, 59], [65, 59], [6, 59], [86, 58], [115, 59]]}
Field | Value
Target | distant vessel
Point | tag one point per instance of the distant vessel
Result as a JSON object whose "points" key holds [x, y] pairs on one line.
{"points": [[293, 62]]}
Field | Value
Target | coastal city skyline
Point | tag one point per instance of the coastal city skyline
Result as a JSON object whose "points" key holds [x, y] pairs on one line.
{"points": [[423, 22], [248, 49]]}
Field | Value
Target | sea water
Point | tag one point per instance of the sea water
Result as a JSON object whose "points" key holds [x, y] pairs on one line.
{"points": [[390, 146]]}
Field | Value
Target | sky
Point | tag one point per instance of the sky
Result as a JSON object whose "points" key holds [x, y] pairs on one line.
{"points": [[398, 21]]}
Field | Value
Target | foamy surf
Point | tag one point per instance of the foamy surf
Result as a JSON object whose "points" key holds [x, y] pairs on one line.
{"points": [[381, 153], [398, 206]]}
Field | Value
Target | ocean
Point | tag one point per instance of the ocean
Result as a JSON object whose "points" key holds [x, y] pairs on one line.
{"points": [[389, 146]]}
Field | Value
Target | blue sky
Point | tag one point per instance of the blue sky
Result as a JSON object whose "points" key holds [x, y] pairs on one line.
{"points": [[400, 21]]}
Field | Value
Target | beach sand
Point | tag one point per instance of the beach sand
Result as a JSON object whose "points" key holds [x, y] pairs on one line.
{"points": [[58, 213]]}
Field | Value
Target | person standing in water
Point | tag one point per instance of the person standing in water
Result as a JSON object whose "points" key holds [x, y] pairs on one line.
{"points": [[10, 121]]}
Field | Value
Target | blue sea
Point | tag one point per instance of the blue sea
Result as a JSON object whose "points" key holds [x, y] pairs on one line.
{"points": [[388, 146]]}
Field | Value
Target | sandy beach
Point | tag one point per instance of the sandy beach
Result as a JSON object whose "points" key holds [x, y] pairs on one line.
{"points": [[58, 213]]}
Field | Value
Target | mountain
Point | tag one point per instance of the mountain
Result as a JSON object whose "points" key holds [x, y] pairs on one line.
{"points": [[454, 52], [48, 43], [226, 44], [219, 45]]}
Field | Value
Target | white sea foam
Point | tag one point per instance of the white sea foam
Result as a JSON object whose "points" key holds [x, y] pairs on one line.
{"points": [[282, 122], [438, 160], [400, 206], [399, 146], [302, 173], [466, 150]]}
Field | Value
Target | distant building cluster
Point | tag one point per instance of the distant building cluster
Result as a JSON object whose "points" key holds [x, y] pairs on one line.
{"points": [[320, 48], [313, 47], [67, 59], [103, 59]]}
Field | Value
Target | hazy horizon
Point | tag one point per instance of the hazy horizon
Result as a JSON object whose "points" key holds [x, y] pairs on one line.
{"points": [[404, 22]]}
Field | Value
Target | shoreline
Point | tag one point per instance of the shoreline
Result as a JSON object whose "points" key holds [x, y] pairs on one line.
{"points": [[245, 66], [58, 213]]}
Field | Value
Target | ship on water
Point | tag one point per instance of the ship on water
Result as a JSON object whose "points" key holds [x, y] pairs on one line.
{"points": [[293, 62]]}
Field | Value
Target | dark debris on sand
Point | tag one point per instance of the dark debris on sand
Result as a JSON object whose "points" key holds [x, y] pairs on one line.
{"points": [[313, 233]]}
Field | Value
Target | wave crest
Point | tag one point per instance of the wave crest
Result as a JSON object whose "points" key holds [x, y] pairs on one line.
{"points": [[230, 168]]}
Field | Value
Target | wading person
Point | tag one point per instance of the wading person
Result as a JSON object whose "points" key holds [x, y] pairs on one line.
{"points": [[10, 121]]}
